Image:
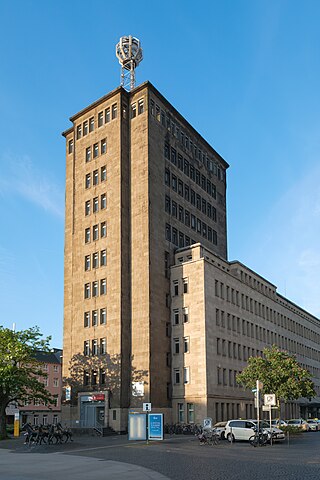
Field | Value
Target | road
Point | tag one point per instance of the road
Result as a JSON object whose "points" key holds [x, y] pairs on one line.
{"points": [[176, 458]]}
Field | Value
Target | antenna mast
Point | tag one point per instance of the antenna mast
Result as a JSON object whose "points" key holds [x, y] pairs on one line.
{"points": [[129, 54]]}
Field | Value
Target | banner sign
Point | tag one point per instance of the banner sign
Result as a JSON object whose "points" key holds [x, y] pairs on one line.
{"points": [[155, 426]]}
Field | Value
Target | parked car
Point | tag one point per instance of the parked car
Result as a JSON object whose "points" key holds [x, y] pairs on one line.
{"points": [[313, 425], [244, 429], [279, 423], [300, 423], [220, 428]]}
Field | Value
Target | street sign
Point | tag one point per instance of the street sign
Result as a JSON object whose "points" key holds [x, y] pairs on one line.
{"points": [[266, 408], [146, 407], [270, 399], [207, 423]]}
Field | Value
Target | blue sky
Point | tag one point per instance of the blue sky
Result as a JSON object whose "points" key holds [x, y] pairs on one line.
{"points": [[244, 73]]}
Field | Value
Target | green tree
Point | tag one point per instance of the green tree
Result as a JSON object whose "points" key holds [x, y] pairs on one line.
{"points": [[19, 369], [280, 374]]}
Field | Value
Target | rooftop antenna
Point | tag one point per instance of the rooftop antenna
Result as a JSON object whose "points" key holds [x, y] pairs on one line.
{"points": [[129, 54]]}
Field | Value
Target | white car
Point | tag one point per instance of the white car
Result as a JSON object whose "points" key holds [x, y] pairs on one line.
{"points": [[313, 425], [279, 423], [244, 429], [220, 428]]}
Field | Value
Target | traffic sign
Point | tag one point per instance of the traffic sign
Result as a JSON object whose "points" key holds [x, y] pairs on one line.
{"points": [[270, 399], [207, 423], [146, 407]]}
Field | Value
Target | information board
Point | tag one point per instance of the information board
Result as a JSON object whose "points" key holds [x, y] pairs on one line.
{"points": [[155, 426], [137, 426]]}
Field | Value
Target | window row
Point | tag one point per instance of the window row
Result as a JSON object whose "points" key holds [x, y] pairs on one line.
{"points": [[105, 116], [55, 382], [227, 377], [93, 151], [93, 178], [178, 318], [94, 377], [95, 347], [92, 290], [177, 379], [95, 260], [92, 318], [247, 303], [167, 121], [94, 204], [45, 367], [180, 240], [137, 108], [190, 412], [184, 287], [184, 216], [37, 402], [98, 231], [190, 171], [227, 348], [184, 190], [181, 345]]}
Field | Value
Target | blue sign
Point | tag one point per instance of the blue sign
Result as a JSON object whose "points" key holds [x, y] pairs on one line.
{"points": [[155, 426]]}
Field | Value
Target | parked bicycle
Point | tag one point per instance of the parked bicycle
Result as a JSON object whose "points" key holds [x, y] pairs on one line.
{"points": [[209, 437], [261, 438]]}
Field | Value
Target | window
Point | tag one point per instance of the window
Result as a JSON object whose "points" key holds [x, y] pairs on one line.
{"points": [[95, 289], [87, 207], [88, 154], [79, 132], [95, 179], [86, 319], [175, 287], [94, 347], [87, 235], [100, 119], [180, 411], [87, 290], [103, 228], [174, 183], [176, 345], [88, 180], [55, 368], [167, 204], [185, 285], [103, 346], [190, 412], [95, 150], [185, 314], [94, 318], [187, 218], [176, 317], [114, 111], [103, 258], [95, 230], [103, 146], [103, 286], [175, 236], [45, 420], [176, 376], [86, 348], [186, 375], [152, 107], [140, 106], [103, 174], [36, 417], [103, 201], [95, 260], [103, 316], [56, 382], [87, 262], [186, 345], [168, 232], [91, 124], [45, 382], [95, 204], [174, 209], [167, 177], [70, 146], [107, 114], [85, 128], [85, 378], [133, 110]]}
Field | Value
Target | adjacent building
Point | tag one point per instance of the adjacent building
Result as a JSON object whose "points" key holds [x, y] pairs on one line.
{"points": [[142, 184]]}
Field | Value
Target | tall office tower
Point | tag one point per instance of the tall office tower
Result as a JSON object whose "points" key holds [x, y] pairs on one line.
{"points": [[140, 183]]}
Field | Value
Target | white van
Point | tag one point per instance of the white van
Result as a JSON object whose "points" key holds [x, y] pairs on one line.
{"points": [[244, 429]]}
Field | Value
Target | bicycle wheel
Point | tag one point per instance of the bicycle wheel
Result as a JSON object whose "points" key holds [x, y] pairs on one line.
{"points": [[254, 440]]}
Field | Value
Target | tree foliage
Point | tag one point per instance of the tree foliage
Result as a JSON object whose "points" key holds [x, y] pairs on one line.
{"points": [[20, 371], [280, 374]]}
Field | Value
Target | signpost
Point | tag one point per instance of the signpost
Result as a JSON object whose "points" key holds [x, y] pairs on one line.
{"points": [[207, 423], [259, 386], [269, 402]]}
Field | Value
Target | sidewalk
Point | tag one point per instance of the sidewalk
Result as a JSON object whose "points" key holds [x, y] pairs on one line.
{"points": [[17, 463]]}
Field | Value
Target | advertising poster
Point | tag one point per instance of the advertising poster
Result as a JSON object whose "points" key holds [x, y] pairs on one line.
{"points": [[155, 426]]}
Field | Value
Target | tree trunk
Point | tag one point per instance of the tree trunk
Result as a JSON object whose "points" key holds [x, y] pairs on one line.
{"points": [[3, 421]]}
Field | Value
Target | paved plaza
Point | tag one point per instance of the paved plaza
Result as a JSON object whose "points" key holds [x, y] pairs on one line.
{"points": [[176, 458]]}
